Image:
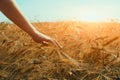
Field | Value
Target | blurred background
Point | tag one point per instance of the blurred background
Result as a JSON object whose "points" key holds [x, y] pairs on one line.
{"points": [[60, 10]]}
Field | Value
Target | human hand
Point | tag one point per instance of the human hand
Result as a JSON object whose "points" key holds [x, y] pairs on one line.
{"points": [[44, 39]]}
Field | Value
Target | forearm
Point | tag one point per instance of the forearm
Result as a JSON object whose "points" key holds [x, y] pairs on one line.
{"points": [[9, 8]]}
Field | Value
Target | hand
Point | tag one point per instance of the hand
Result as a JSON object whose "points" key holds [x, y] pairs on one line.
{"points": [[42, 38]]}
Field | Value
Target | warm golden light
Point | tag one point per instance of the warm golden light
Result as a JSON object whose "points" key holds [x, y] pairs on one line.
{"points": [[92, 14], [92, 17], [89, 18]]}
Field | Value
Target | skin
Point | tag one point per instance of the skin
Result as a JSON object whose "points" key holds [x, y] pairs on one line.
{"points": [[11, 10]]}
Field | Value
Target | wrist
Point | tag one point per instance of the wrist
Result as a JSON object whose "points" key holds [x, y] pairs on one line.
{"points": [[32, 33], [32, 30]]}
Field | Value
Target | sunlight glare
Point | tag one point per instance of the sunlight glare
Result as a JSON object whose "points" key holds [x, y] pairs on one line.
{"points": [[92, 14], [91, 17]]}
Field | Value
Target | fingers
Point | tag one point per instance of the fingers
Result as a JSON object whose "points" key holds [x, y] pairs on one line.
{"points": [[57, 44], [53, 41], [45, 40], [45, 43]]}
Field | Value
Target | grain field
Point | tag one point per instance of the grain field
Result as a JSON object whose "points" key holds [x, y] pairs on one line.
{"points": [[91, 51]]}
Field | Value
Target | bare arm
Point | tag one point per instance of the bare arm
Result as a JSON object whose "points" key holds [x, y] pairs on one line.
{"points": [[10, 9]]}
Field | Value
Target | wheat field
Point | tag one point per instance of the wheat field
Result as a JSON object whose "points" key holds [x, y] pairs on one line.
{"points": [[91, 51]]}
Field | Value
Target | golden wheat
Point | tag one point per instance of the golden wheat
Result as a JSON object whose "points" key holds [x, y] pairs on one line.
{"points": [[91, 51]]}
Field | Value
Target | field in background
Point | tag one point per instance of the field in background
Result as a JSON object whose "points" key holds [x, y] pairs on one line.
{"points": [[91, 51]]}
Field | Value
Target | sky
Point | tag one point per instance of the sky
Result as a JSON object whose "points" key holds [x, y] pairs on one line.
{"points": [[60, 10]]}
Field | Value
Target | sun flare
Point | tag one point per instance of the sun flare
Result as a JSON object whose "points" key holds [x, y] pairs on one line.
{"points": [[92, 17], [91, 14]]}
